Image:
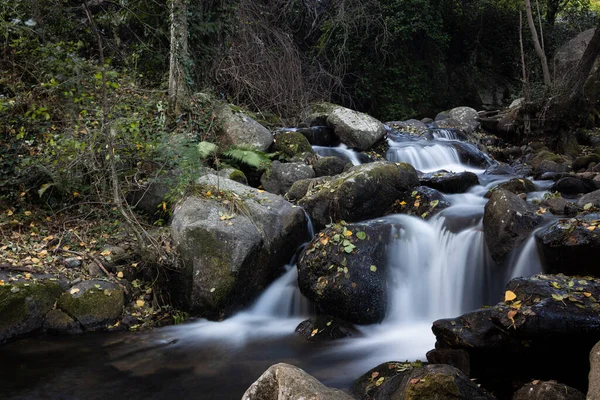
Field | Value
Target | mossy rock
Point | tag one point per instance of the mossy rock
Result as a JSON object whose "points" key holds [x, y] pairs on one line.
{"points": [[291, 143], [545, 155], [57, 322], [94, 304], [23, 305]]}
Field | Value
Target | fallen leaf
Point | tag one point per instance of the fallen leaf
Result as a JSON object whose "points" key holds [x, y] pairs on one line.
{"points": [[105, 253], [120, 274], [212, 290], [28, 213], [373, 268], [324, 241], [586, 294], [591, 228], [511, 315], [140, 303], [509, 295], [74, 290], [535, 382], [588, 206], [314, 332]]}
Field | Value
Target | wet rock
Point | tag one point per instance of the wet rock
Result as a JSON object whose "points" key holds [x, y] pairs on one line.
{"points": [[280, 177], [594, 376], [440, 382], [507, 222], [24, 303], [471, 155], [94, 304], [238, 129], [450, 182], [291, 143], [350, 196], [582, 163], [320, 135], [355, 129], [592, 198], [573, 185], [366, 386], [412, 126], [326, 327], [58, 323], [577, 240], [550, 390], [500, 169], [342, 271], [301, 187], [560, 206], [424, 202], [515, 185], [548, 166], [457, 358], [284, 382], [232, 248], [329, 166]]}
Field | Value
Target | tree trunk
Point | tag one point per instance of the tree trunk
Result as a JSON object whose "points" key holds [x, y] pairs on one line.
{"points": [[536, 44], [178, 56]]}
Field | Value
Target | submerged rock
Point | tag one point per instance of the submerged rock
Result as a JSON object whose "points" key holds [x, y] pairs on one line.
{"points": [[355, 129], [507, 221], [365, 191], [576, 240], [94, 304], [58, 322], [342, 271], [285, 382], [326, 327], [24, 304], [592, 198], [424, 202], [232, 244]]}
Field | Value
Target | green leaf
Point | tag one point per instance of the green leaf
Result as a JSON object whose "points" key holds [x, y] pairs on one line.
{"points": [[373, 268], [349, 248], [44, 187], [206, 149], [588, 206], [248, 156], [361, 235], [557, 297], [434, 203]]}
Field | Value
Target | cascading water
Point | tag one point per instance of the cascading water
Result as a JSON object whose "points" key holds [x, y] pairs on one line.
{"points": [[437, 269], [341, 151]]}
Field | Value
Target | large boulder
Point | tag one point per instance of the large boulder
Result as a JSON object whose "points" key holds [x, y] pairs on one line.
{"points": [[342, 271], [286, 382], [291, 143], [24, 302], [568, 55], [450, 182], [280, 177], [466, 116], [574, 185], [550, 390], [545, 328], [367, 385], [94, 304], [592, 198], [594, 377], [356, 129], [233, 241], [507, 221], [350, 196], [238, 129], [435, 382], [576, 240], [329, 166]]}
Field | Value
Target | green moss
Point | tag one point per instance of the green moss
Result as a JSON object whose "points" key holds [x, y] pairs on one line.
{"points": [[237, 176], [93, 306], [20, 300], [291, 143], [431, 386]]}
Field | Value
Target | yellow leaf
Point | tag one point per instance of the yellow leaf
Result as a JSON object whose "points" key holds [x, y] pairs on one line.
{"points": [[417, 204], [208, 194], [586, 294], [35, 260], [9, 212], [511, 315], [75, 194], [348, 233], [402, 203], [1, 282], [105, 253], [48, 238], [28, 213], [164, 206], [591, 228], [509, 296], [120, 274], [140, 303], [324, 241], [314, 332], [27, 275], [260, 191]]}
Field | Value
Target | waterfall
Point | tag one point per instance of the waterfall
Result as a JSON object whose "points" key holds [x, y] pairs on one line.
{"points": [[341, 151], [425, 156], [444, 134]]}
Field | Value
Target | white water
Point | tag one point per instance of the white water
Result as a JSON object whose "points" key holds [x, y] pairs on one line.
{"points": [[341, 151]]}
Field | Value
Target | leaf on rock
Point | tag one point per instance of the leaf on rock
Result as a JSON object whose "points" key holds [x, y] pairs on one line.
{"points": [[373, 268], [509, 295], [434, 203], [314, 332], [361, 235], [414, 381], [140, 303], [588, 206]]}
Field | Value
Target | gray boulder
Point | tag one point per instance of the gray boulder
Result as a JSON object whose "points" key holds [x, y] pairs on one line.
{"points": [[24, 303], [350, 196], [413, 126], [515, 185], [507, 222], [233, 246], [356, 129], [329, 166], [291, 143], [238, 129], [286, 382], [593, 198], [450, 182], [94, 304], [280, 177], [466, 116], [300, 188]]}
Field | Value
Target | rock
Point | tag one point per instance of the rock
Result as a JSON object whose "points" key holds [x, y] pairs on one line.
{"points": [[573, 185], [320, 135], [114, 255], [515, 185], [238, 129], [233, 174], [329, 166], [24, 303], [500, 169], [367, 385], [72, 262], [291, 143], [356, 129], [231, 251], [301, 187], [326, 327], [451, 123], [471, 155], [150, 195], [568, 55], [545, 161], [424, 202], [559, 206], [550, 390], [285, 382], [350, 196], [457, 358], [594, 377], [516, 103], [280, 177], [57, 322], [435, 382], [582, 163], [450, 182], [412, 126], [571, 240], [507, 222], [590, 198], [466, 116], [344, 273], [442, 115], [94, 304]]}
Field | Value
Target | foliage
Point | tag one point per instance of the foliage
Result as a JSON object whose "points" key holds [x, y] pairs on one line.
{"points": [[247, 156]]}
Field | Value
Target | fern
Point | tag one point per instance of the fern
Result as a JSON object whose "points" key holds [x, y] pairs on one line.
{"points": [[206, 149], [248, 156]]}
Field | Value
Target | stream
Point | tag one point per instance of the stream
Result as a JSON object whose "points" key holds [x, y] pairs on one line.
{"points": [[440, 268]]}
